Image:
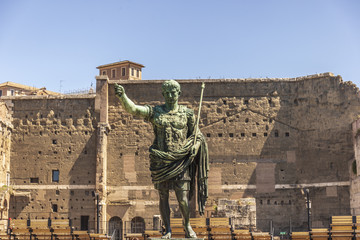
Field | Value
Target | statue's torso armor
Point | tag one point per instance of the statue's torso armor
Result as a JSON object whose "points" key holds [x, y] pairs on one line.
{"points": [[171, 128], [171, 131]]}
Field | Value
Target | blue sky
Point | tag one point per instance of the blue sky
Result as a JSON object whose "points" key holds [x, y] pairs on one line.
{"points": [[60, 43]]}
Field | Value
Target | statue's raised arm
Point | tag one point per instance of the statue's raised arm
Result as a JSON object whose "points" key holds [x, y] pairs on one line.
{"points": [[129, 105]]}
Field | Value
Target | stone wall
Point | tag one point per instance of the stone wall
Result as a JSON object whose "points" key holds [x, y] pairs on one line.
{"points": [[355, 170], [5, 144], [53, 152], [268, 139]]}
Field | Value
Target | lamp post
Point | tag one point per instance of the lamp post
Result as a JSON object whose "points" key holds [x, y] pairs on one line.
{"points": [[308, 206], [95, 194]]}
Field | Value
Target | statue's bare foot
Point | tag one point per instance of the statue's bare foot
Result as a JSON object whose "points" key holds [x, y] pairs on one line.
{"points": [[166, 235], [189, 232]]}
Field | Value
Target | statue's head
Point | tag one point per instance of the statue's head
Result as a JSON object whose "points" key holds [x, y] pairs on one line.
{"points": [[171, 90], [170, 85]]}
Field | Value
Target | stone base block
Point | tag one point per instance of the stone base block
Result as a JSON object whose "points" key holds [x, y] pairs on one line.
{"points": [[177, 239]]}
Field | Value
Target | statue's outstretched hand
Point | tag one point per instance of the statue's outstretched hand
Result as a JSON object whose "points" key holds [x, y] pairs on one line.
{"points": [[119, 90]]}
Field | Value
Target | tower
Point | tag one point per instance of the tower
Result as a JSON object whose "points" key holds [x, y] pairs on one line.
{"points": [[124, 70]]}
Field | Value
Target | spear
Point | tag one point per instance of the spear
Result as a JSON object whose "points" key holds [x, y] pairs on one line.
{"points": [[198, 117]]}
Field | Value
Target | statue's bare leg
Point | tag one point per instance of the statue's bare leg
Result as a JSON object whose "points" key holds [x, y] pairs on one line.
{"points": [[165, 212], [183, 199]]}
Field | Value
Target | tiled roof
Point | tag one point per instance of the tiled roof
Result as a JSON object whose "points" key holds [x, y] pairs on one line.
{"points": [[18, 85], [33, 90], [118, 63]]}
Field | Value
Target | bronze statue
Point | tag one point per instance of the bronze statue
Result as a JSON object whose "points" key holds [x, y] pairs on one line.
{"points": [[178, 153]]}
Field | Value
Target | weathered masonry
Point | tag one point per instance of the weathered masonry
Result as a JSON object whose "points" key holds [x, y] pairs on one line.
{"points": [[5, 143], [269, 140], [54, 166]]}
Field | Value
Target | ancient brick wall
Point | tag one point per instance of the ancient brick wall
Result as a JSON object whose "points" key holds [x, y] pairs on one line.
{"points": [[53, 158], [355, 170], [268, 139], [5, 143]]}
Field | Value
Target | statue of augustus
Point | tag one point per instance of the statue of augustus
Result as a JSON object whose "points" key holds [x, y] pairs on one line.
{"points": [[178, 155]]}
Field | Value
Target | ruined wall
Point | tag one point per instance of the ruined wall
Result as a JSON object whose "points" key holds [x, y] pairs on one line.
{"points": [[5, 143], [53, 158], [268, 139], [355, 170]]}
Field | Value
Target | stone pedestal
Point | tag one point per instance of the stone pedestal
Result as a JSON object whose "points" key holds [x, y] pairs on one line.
{"points": [[177, 238]]}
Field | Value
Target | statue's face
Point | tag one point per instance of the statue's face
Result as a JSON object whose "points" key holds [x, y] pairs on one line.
{"points": [[171, 95]]}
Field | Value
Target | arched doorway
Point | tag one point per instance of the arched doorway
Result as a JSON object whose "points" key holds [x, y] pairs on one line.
{"points": [[137, 225], [115, 227]]}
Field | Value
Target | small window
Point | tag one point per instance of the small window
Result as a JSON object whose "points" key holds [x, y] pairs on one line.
{"points": [[208, 135], [55, 175], [104, 72], [220, 134], [137, 73], [254, 134], [132, 71], [54, 207], [123, 71], [57, 192], [0, 93], [287, 134], [54, 141], [276, 133], [265, 134], [231, 135], [242, 134], [12, 91], [113, 73], [246, 101], [34, 180]]}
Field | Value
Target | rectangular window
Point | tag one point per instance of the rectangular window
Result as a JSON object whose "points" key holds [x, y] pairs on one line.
{"points": [[55, 175], [137, 73], [123, 71], [34, 180], [113, 73], [55, 207], [84, 224], [104, 72], [132, 71], [0, 93], [12, 91]]}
